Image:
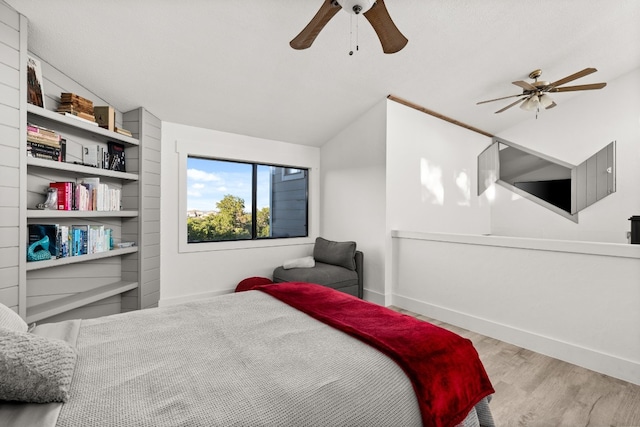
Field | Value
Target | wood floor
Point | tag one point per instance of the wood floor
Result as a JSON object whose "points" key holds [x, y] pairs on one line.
{"points": [[534, 390]]}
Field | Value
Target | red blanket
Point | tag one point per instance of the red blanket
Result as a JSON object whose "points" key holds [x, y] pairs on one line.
{"points": [[444, 368]]}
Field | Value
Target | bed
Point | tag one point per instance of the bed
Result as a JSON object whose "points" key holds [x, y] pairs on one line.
{"points": [[289, 354]]}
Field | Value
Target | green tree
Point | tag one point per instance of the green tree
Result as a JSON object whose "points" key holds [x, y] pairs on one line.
{"points": [[230, 222], [262, 219]]}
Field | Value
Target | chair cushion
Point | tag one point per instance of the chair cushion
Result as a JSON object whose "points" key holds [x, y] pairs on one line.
{"points": [[323, 274], [336, 253]]}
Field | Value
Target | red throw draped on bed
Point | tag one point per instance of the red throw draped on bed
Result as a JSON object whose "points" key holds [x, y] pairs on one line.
{"points": [[447, 375]]}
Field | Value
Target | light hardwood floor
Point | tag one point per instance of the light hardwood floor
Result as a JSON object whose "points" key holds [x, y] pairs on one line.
{"points": [[535, 390]]}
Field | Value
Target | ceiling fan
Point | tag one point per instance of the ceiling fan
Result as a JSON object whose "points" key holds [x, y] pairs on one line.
{"points": [[376, 13], [535, 94]]}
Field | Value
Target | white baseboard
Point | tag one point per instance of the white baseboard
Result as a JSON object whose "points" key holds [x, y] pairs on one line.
{"points": [[607, 364], [375, 297], [165, 302]]}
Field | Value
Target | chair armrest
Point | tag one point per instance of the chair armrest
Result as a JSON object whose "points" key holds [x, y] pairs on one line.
{"points": [[360, 270]]}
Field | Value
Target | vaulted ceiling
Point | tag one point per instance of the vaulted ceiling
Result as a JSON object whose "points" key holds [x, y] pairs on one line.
{"points": [[227, 65]]}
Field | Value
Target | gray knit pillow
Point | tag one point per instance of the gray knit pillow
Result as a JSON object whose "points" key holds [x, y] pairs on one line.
{"points": [[10, 319], [34, 368]]}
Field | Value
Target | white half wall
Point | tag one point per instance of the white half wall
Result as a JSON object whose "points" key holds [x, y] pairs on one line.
{"points": [[575, 301], [572, 132], [353, 193], [203, 273]]}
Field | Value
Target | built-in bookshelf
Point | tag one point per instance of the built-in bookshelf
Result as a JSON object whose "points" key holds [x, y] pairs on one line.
{"points": [[79, 286], [57, 293]]}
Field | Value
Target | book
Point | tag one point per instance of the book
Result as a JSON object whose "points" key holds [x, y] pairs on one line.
{"points": [[43, 237], [95, 239], [35, 92], [63, 239], [76, 101], [116, 156], [42, 151], [122, 131], [92, 155], [75, 112], [79, 236], [79, 118], [65, 195], [41, 130]]}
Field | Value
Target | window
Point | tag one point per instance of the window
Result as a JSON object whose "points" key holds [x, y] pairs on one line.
{"points": [[231, 201]]}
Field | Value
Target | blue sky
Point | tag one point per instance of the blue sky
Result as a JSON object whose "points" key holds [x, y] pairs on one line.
{"points": [[208, 181]]}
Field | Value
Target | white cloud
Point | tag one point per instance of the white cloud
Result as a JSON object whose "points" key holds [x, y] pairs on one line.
{"points": [[198, 175]]}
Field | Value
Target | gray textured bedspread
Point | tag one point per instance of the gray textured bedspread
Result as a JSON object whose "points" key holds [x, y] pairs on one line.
{"points": [[242, 359]]}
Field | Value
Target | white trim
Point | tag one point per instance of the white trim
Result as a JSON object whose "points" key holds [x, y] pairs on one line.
{"points": [[185, 148], [570, 246], [607, 364]]}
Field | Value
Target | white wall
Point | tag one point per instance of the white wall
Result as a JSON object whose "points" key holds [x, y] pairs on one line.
{"points": [[353, 193], [189, 275], [432, 174], [573, 131]]}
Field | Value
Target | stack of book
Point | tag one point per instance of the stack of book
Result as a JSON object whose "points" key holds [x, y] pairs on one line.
{"points": [[88, 195], [44, 143], [76, 106], [65, 241]]}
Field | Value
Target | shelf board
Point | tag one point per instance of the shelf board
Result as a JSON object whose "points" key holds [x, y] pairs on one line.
{"points": [[51, 308], [38, 265], [79, 124], [80, 169], [47, 213]]}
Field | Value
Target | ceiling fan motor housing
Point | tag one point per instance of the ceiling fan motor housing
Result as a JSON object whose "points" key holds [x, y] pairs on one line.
{"points": [[356, 6]]}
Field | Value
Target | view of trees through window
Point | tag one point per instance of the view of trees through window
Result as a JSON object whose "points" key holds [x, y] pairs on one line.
{"points": [[241, 201]]}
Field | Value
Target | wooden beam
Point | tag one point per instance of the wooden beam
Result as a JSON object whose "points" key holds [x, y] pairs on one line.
{"points": [[438, 115]]}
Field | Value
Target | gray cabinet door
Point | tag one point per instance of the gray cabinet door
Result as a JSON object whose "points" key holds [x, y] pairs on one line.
{"points": [[488, 167], [593, 179]]}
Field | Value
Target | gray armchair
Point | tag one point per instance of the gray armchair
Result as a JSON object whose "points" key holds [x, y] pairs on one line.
{"points": [[338, 265]]}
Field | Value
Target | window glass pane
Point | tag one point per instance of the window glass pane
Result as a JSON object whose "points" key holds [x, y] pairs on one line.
{"points": [[219, 200], [263, 197], [288, 208]]}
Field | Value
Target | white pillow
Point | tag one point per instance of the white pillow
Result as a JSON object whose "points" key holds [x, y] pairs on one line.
{"points": [[9, 319], [306, 262], [34, 368]]}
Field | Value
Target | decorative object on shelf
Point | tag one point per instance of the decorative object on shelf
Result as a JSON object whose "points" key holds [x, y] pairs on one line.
{"points": [[35, 93], [51, 203], [41, 254], [105, 116]]}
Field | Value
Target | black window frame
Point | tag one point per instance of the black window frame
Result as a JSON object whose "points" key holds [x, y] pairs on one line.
{"points": [[254, 199]]}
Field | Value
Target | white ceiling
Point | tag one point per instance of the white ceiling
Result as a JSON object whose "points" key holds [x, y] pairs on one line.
{"points": [[227, 64]]}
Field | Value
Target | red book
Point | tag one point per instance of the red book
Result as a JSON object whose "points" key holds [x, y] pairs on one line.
{"points": [[65, 195]]}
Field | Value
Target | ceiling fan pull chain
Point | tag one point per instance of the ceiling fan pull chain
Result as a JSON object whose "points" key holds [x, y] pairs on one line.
{"points": [[351, 25], [350, 34]]}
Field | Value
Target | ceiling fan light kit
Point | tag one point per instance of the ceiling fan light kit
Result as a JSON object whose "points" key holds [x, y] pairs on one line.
{"points": [[356, 6], [535, 94], [374, 11]]}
